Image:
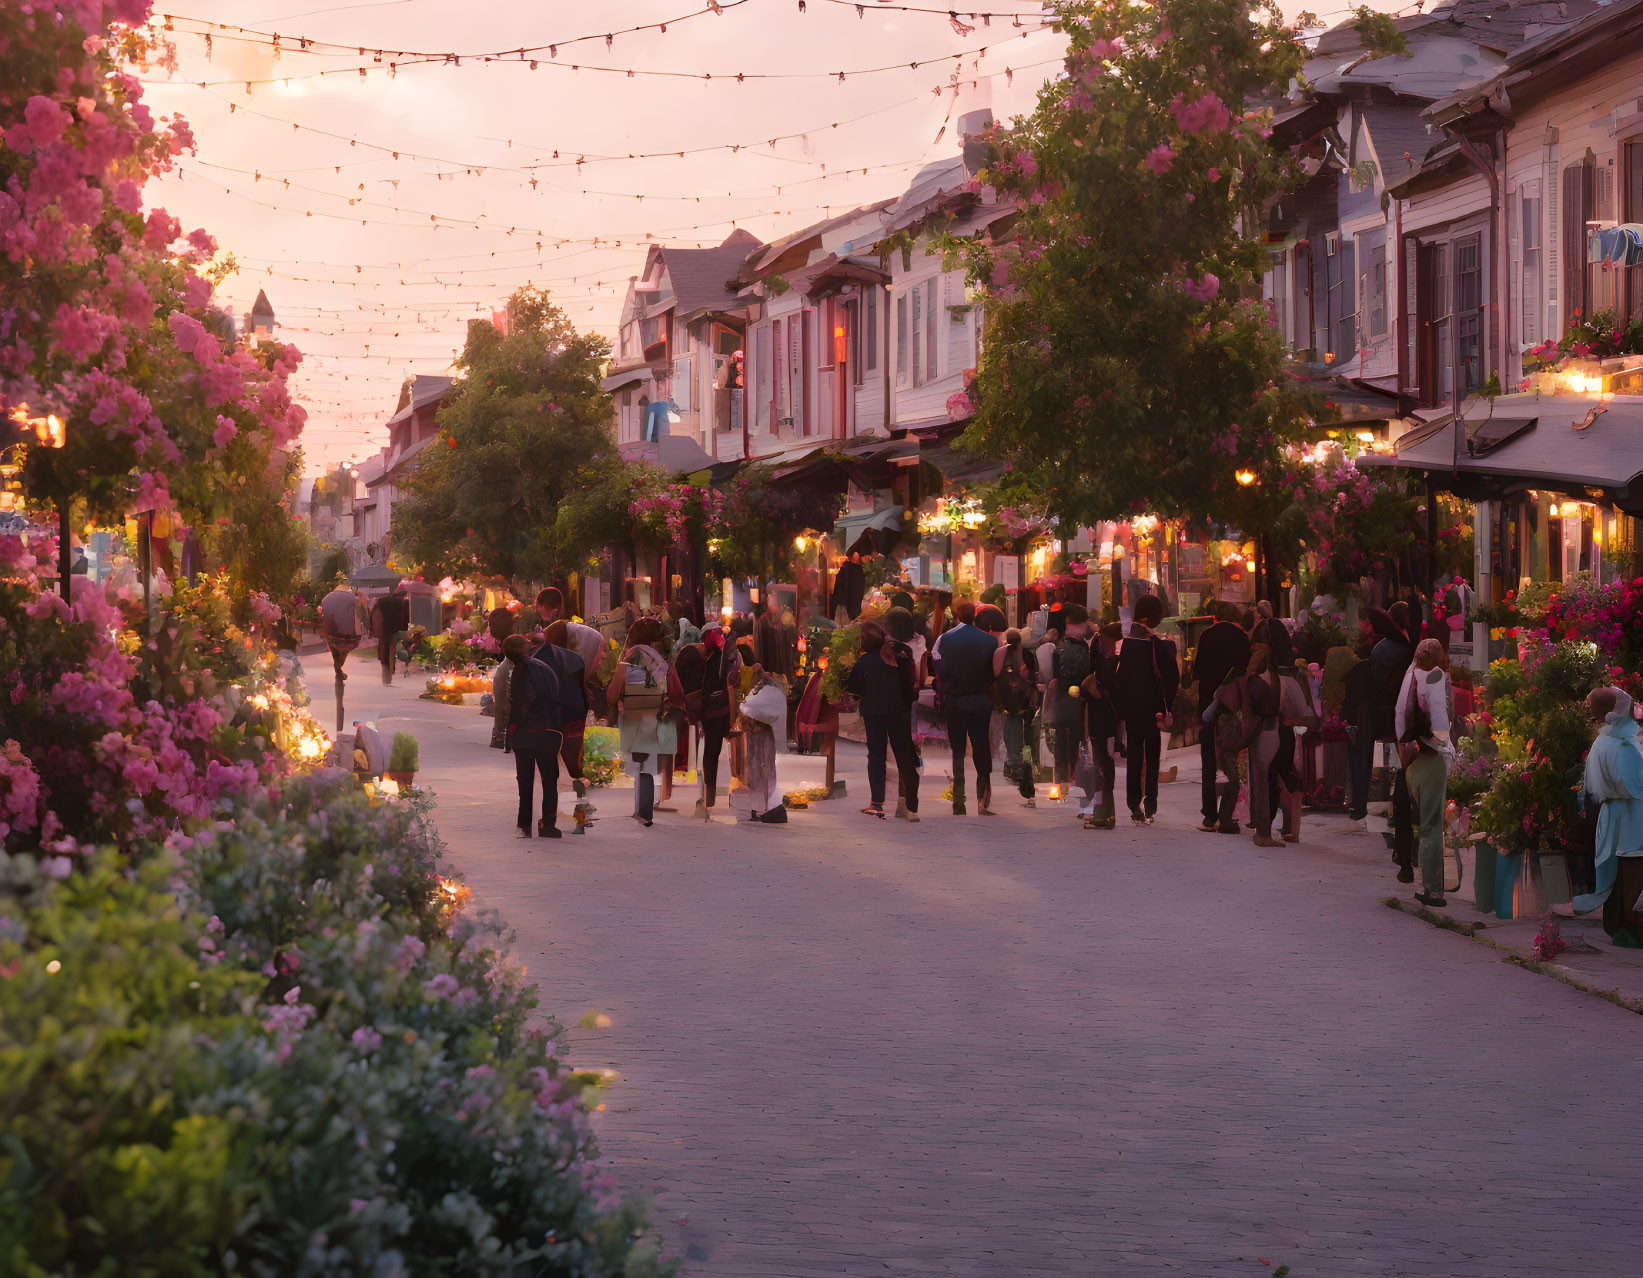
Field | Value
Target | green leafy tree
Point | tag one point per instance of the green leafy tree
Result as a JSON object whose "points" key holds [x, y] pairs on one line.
{"points": [[518, 436], [1128, 362]]}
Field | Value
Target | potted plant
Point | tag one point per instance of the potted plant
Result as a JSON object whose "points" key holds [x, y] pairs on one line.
{"points": [[403, 759]]}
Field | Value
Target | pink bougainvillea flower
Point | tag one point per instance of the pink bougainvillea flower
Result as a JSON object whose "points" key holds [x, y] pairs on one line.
{"points": [[1160, 159]]}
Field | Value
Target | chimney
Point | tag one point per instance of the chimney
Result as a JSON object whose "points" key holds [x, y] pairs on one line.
{"points": [[971, 126]]}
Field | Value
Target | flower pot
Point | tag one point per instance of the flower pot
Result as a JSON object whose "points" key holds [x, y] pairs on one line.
{"points": [[1507, 871], [1483, 876], [402, 779]]}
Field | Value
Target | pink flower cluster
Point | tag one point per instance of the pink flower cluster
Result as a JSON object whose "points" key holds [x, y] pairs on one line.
{"points": [[84, 273]]}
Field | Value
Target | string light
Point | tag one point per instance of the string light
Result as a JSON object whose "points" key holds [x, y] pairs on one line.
{"points": [[308, 44], [737, 77]]}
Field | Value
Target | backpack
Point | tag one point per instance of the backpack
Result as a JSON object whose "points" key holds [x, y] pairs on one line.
{"points": [[1015, 690], [1072, 666]]}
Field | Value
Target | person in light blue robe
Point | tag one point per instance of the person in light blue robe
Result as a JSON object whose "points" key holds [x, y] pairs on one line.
{"points": [[1614, 778]]}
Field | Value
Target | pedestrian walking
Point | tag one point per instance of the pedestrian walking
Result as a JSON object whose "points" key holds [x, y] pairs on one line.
{"points": [[649, 738], [1425, 714], [1262, 701], [962, 660], [883, 683], [1389, 660], [391, 617], [1100, 728], [1015, 683], [709, 673], [763, 715], [339, 623], [1283, 775], [567, 664], [532, 734], [1223, 649], [1147, 678], [1070, 664]]}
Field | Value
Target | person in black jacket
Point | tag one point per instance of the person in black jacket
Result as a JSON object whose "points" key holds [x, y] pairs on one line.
{"points": [[882, 681], [1147, 679], [1222, 650], [534, 733]]}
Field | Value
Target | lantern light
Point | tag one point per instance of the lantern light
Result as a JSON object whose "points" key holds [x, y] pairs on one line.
{"points": [[1366, 436], [1246, 477], [800, 543]]}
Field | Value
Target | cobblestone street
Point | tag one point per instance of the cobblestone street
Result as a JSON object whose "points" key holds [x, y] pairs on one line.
{"points": [[1010, 1046]]}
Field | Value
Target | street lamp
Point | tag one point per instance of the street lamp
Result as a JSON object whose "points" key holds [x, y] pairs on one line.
{"points": [[50, 432]]}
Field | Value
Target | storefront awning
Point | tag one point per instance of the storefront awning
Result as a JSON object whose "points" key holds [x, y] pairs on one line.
{"points": [[849, 527], [1572, 443], [960, 467]]}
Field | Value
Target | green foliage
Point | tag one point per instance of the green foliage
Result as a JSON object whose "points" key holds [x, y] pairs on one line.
{"points": [[1124, 366], [256, 538], [1378, 33], [1540, 731], [288, 1051], [100, 1059], [334, 564], [843, 649], [601, 755], [528, 426], [406, 755]]}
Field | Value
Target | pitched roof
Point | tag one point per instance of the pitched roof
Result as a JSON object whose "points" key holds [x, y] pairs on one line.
{"points": [[419, 390], [701, 277], [262, 306]]}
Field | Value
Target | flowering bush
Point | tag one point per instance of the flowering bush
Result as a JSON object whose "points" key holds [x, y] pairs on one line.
{"points": [[673, 513], [285, 1047], [1538, 732], [1611, 616], [601, 755], [1353, 520], [106, 320]]}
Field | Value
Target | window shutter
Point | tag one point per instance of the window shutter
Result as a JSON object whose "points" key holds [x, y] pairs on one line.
{"points": [[1554, 248], [1411, 316], [1514, 280]]}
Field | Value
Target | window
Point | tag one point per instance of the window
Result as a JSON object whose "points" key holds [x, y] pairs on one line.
{"points": [[1371, 252], [932, 314], [804, 359], [903, 362], [1468, 253], [1276, 288], [1342, 330], [1576, 211], [681, 384], [918, 341], [870, 359], [1532, 264], [1631, 208], [918, 334], [828, 352], [783, 417], [762, 378]]}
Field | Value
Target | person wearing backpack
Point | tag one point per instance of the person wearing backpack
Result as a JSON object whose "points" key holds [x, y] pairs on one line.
{"points": [[708, 672], [1070, 665], [1017, 690]]}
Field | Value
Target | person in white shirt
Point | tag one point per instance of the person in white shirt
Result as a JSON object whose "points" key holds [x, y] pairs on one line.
{"points": [[1425, 716]]}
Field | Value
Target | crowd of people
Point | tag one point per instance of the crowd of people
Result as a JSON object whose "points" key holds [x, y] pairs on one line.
{"points": [[1092, 694]]}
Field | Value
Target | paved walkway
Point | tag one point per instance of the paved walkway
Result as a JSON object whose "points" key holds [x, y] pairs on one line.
{"points": [[1015, 1047]]}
